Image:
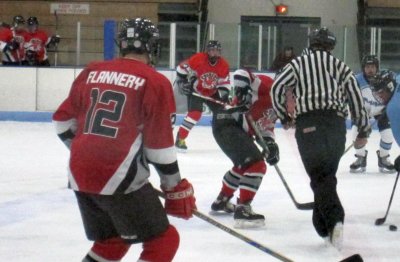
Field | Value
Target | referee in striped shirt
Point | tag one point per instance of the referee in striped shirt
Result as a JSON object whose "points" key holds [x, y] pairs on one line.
{"points": [[323, 88]]}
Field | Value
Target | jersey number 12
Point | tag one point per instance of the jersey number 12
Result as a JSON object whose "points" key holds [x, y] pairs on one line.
{"points": [[99, 120]]}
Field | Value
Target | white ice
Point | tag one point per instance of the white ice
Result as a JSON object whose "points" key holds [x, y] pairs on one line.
{"points": [[40, 221]]}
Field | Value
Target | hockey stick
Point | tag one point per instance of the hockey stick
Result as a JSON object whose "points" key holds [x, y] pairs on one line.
{"points": [[352, 144], [18, 54], [225, 105], [348, 148], [192, 75], [301, 206], [209, 99], [235, 233], [382, 220]]}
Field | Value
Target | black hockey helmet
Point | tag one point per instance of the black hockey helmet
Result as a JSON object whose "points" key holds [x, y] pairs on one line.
{"points": [[242, 80], [139, 36], [370, 59], [384, 80], [322, 39], [31, 21], [18, 20], [213, 45]]}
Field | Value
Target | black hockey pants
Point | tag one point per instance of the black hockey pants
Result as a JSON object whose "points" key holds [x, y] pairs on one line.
{"points": [[234, 141], [321, 137]]}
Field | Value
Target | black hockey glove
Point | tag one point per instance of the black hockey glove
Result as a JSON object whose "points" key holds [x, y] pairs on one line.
{"points": [[54, 40], [243, 96], [185, 86], [13, 45], [32, 57], [288, 123], [397, 164], [273, 156]]}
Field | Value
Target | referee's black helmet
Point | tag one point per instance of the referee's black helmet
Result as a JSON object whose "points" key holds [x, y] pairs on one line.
{"points": [[322, 38]]}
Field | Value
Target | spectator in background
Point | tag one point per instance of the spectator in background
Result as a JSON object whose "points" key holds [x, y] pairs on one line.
{"points": [[39, 40], [12, 41], [282, 59]]}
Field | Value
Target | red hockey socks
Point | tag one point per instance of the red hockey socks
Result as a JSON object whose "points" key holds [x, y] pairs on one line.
{"points": [[251, 181], [161, 248], [231, 180], [113, 249], [188, 123]]}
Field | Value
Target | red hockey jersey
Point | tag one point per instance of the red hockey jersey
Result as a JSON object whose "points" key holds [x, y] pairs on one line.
{"points": [[6, 36], [209, 77], [261, 106], [37, 42], [119, 112]]}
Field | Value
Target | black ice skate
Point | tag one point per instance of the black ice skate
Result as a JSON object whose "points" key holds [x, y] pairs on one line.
{"points": [[222, 204], [360, 164], [246, 218], [180, 144], [384, 164]]}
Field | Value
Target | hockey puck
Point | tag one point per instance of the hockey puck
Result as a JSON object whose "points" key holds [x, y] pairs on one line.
{"points": [[393, 228]]}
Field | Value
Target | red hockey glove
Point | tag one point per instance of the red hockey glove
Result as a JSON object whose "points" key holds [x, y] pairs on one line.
{"points": [[180, 200]]}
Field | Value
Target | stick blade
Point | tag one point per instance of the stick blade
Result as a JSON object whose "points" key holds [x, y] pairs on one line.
{"points": [[353, 258], [380, 221], [305, 206]]}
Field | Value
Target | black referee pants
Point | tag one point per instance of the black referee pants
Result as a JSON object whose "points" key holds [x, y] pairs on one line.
{"points": [[321, 137]]}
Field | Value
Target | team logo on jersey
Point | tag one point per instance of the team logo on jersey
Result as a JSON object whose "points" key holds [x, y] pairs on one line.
{"points": [[34, 44], [209, 80]]}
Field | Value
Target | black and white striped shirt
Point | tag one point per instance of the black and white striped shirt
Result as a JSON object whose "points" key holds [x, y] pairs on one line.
{"points": [[321, 82]]}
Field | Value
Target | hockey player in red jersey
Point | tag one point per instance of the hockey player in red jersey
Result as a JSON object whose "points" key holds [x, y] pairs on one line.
{"points": [[206, 72], [12, 42], [38, 42], [234, 135], [115, 121]]}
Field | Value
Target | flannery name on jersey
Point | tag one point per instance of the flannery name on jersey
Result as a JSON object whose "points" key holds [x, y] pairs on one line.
{"points": [[115, 78]]}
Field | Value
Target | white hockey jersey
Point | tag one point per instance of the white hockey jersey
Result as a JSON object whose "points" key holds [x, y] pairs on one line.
{"points": [[372, 105]]}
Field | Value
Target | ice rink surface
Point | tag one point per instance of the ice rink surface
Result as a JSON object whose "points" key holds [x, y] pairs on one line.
{"points": [[40, 221]]}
